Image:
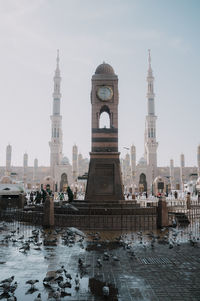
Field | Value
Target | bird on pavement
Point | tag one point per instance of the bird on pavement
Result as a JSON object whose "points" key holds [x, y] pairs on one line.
{"points": [[32, 282], [8, 279], [105, 290], [56, 295]]}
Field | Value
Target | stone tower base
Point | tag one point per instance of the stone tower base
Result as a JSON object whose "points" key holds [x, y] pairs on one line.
{"points": [[104, 178]]}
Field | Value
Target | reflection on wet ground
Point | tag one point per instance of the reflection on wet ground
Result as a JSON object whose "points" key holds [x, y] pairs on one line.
{"points": [[159, 265]]}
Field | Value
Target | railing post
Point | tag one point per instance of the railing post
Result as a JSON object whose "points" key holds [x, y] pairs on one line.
{"points": [[48, 212], [188, 201], [162, 213]]}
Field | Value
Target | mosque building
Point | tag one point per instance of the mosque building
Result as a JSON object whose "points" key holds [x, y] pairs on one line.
{"points": [[136, 176], [60, 173], [139, 177]]}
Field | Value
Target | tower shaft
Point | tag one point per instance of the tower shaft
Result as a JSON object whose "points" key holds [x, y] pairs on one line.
{"points": [[56, 123], [151, 144]]}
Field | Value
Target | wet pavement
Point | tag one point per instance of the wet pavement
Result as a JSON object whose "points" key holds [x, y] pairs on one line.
{"points": [[164, 265]]}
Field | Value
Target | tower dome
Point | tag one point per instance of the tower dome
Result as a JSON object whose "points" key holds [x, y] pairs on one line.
{"points": [[105, 69]]}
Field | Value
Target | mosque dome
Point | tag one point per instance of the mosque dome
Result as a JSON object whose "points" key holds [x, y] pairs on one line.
{"points": [[6, 180], [65, 161], [105, 69], [142, 161]]}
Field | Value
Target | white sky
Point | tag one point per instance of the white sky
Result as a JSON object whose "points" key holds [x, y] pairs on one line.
{"points": [[87, 33]]}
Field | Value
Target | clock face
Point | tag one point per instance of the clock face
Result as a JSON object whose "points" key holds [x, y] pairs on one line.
{"points": [[105, 93]]}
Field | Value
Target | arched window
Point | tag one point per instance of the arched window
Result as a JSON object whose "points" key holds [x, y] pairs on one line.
{"points": [[104, 121]]}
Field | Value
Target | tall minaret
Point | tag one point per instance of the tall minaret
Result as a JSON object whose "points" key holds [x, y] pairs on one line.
{"points": [[35, 171], [8, 159], [56, 123], [150, 127], [133, 163], [171, 173], [182, 165], [74, 162], [25, 166]]}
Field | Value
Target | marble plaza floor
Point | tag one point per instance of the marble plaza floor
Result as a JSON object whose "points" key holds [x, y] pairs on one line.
{"points": [[164, 265]]}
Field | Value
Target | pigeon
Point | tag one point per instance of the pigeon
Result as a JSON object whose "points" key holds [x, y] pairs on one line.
{"points": [[5, 286], [115, 258], [56, 295], [48, 278], [106, 256], [64, 285], [61, 270], [32, 282], [99, 264], [68, 276], [77, 280], [8, 279], [105, 290]]}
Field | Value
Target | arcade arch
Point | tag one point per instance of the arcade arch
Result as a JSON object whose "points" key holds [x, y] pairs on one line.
{"points": [[63, 182], [142, 183]]}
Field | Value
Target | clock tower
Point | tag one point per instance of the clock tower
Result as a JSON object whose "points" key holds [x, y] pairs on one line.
{"points": [[104, 177]]}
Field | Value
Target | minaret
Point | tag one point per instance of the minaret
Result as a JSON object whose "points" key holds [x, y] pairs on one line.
{"points": [[56, 123], [171, 173], [150, 127], [74, 162], [80, 160], [35, 171], [8, 159], [198, 160], [25, 165], [133, 163], [127, 171], [182, 165]]}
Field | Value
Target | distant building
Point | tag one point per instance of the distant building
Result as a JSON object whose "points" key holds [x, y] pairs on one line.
{"points": [[136, 175]]}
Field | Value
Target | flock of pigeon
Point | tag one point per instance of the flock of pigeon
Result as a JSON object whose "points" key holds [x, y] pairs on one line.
{"points": [[59, 283], [59, 280]]}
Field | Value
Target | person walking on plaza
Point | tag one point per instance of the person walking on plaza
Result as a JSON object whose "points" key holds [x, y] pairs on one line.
{"points": [[70, 194]]}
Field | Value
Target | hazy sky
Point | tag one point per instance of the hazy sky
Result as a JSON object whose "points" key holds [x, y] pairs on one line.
{"points": [[88, 32]]}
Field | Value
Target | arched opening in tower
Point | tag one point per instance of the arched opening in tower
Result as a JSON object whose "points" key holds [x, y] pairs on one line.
{"points": [[104, 118]]}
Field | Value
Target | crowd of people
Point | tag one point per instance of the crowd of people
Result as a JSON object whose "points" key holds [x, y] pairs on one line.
{"points": [[39, 196]]}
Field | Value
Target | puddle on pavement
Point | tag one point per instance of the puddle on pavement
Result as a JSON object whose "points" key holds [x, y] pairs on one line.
{"points": [[96, 288], [61, 249]]}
